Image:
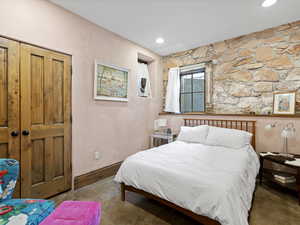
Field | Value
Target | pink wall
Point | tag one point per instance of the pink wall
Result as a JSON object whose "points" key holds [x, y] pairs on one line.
{"points": [[265, 140], [114, 129]]}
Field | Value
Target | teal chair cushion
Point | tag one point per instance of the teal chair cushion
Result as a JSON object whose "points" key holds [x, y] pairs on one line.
{"points": [[18, 211], [9, 172], [24, 211]]}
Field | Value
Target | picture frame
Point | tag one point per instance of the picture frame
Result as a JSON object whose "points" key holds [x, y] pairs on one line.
{"points": [[284, 103], [111, 83]]}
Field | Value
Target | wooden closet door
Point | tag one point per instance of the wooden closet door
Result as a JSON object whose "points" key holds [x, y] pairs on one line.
{"points": [[9, 102], [45, 122]]}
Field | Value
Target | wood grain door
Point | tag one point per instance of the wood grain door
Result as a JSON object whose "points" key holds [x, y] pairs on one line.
{"points": [[9, 102], [45, 122]]}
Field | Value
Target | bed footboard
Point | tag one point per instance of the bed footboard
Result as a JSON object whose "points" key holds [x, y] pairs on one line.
{"points": [[201, 219], [123, 192]]}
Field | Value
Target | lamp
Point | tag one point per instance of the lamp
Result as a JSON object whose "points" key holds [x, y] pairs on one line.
{"points": [[160, 127], [160, 123], [287, 132]]}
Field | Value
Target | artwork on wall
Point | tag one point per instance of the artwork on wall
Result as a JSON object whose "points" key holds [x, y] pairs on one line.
{"points": [[143, 80], [110, 83], [284, 103]]}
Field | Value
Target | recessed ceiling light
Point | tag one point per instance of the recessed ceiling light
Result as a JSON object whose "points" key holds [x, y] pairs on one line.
{"points": [[268, 3], [159, 40]]}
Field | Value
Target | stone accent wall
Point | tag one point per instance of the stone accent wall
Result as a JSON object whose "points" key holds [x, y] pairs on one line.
{"points": [[249, 68]]}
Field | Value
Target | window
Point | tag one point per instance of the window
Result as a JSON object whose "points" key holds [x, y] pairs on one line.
{"points": [[192, 91]]}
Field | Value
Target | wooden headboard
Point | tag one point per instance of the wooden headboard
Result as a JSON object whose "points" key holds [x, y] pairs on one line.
{"points": [[246, 125]]}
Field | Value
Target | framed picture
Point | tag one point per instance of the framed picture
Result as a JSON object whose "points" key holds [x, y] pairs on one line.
{"points": [[110, 83], [284, 103]]}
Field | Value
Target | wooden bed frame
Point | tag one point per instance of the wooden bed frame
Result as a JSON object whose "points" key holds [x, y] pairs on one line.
{"points": [[245, 125]]}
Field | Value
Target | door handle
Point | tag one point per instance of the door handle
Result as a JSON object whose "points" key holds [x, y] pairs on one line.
{"points": [[14, 133], [25, 132]]}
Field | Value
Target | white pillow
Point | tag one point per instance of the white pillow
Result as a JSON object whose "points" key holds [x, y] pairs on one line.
{"points": [[230, 138], [193, 134]]}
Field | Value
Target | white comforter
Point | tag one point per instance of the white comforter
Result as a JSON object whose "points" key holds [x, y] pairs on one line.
{"points": [[212, 181]]}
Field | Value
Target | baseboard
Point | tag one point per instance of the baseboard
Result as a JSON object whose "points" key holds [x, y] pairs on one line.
{"points": [[96, 175]]}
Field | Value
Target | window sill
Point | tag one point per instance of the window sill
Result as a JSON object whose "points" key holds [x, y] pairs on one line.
{"points": [[240, 115]]}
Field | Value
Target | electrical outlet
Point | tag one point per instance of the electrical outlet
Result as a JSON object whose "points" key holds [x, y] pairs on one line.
{"points": [[97, 155]]}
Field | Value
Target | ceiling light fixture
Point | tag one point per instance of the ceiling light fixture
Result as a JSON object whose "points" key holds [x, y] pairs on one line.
{"points": [[268, 3], [159, 40]]}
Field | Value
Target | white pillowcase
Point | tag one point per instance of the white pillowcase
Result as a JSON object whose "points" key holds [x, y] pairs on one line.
{"points": [[230, 138], [193, 134]]}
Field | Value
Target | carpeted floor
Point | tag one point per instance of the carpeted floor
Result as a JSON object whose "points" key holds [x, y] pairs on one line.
{"points": [[270, 207]]}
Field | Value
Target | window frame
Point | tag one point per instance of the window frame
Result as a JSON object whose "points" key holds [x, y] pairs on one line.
{"points": [[192, 72]]}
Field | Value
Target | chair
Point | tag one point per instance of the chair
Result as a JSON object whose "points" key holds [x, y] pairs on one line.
{"points": [[19, 211]]}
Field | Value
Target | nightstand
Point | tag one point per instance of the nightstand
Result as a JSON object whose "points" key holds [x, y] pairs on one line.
{"points": [[161, 139], [269, 174]]}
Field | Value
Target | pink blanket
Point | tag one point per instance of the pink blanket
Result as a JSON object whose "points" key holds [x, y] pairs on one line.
{"points": [[75, 213]]}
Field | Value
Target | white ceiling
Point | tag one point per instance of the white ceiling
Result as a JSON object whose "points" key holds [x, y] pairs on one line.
{"points": [[184, 24]]}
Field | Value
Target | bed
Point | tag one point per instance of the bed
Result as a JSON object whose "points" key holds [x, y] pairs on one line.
{"points": [[212, 184]]}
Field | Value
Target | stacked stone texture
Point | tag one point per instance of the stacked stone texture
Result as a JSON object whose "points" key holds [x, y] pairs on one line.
{"points": [[249, 68]]}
